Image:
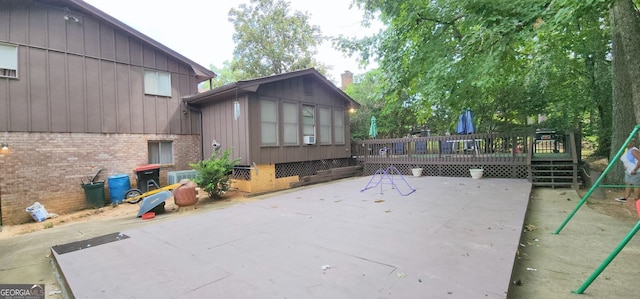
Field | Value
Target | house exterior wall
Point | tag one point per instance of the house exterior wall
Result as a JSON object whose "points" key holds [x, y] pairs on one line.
{"points": [[78, 103], [263, 179], [293, 90], [219, 123], [48, 167], [85, 76]]}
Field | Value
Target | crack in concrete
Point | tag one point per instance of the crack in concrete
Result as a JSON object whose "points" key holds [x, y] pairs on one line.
{"points": [[206, 284], [225, 243], [394, 268]]}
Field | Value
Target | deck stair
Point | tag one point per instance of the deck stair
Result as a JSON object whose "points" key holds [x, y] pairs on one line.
{"points": [[555, 173]]}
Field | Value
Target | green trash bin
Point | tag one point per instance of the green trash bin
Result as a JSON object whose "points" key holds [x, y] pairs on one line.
{"points": [[94, 194]]}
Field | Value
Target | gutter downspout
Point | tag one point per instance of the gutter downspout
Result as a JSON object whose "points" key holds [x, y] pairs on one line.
{"points": [[199, 112]]}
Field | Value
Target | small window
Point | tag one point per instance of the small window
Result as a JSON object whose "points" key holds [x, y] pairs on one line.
{"points": [[308, 121], [157, 83], [290, 121], [338, 126], [160, 152], [324, 117], [268, 122], [8, 61]]}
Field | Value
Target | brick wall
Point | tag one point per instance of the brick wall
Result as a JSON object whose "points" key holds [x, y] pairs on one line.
{"points": [[48, 167]]}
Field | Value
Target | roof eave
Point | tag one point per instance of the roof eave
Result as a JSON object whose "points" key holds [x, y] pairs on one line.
{"points": [[253, 84], [202, 73]]}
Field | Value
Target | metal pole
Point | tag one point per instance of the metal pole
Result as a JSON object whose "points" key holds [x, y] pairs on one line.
{"points": [[595, 185], [608, 260], [618, 186]]}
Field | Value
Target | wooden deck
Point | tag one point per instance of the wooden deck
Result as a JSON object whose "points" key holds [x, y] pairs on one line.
{"points": [[500, 155]]}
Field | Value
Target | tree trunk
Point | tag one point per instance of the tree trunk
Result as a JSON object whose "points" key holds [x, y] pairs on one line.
{"points": [[625, 30]]}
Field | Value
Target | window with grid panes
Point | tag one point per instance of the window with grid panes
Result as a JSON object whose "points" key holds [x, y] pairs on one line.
{"points": [[268, 122], [160, 152], [308, 120], [290, 123], [338, 126], [8, 60], [324, 119], [157, 83]]}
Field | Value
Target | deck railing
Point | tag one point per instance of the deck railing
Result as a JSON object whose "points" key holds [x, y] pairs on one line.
{"points": [[485, 149]]}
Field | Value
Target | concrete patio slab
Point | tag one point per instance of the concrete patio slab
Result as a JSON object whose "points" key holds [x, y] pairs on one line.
{"points": [[451, 238]]}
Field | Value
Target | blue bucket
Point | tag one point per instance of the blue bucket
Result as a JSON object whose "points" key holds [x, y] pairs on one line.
{"points": [[118, 186]]}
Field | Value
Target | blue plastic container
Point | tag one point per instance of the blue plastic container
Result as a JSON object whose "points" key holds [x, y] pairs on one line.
{"points": [[119, 184]]}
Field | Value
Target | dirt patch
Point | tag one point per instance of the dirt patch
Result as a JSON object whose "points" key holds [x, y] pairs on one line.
{"points": [[605, 202], [596, 163], [609, 206], [116, 211]]}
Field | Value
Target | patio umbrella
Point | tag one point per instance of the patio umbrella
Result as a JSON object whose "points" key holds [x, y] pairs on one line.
{"points": [[460, 128], [373, 128], [469, 122], [465, 123]]}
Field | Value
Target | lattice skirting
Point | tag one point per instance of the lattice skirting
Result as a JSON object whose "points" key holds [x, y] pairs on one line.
{"points": [[301, 169], [491, 171], [242, 173], [310, 167]]}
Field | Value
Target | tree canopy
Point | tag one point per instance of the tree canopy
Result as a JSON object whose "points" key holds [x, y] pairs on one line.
{"points": [[507, 60], [573, 61], [395, 116], [270, 39]]}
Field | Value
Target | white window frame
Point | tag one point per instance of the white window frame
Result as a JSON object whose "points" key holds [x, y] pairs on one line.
{"points": [[290, 126], [157, 83], [324, 125], [8, 60], [308, 113], [338, 126], [160, 152], [268, 122]]}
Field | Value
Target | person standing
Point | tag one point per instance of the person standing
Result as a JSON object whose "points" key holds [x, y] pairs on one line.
{"points": [[631, 161]]}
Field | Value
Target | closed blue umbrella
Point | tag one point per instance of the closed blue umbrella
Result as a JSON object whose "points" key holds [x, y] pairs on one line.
{"points": [[373, 128], [469, 122], [465, 123], [460, 128]]}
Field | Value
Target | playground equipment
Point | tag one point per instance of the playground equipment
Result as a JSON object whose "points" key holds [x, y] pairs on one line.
{"points": [[611, 256], [386, 177], [631, 233]]}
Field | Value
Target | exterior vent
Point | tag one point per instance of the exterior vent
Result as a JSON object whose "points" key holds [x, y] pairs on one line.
{"points": [[309, 139], [174, 177]]}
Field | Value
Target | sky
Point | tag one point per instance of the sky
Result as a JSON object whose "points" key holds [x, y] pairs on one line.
{"points": [[200, 29]]}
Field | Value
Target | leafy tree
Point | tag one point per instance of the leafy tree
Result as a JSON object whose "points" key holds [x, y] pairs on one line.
{"points": [[364, 90], [625, 27], [395, 117], [272, 40], [224, 76], [507, 60], [575, 61]]}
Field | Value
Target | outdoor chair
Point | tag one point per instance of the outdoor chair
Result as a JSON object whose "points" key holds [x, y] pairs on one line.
{"points": [[398, 148], [469, 146], [447, 147], [421, 147]]}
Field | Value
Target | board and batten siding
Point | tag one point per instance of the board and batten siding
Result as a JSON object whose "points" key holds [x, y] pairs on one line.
{"points": [[219, 123], [294, 90], [86, 76]]}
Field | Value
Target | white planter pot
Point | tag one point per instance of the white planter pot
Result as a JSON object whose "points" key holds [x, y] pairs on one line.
{"points": [[476, 173], [416, 171]]}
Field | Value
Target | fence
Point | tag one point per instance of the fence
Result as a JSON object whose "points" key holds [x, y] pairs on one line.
{"points": [[499, 154]]}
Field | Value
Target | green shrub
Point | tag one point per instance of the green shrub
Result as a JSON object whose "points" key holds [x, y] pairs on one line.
{"points": [[214, 173]]}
